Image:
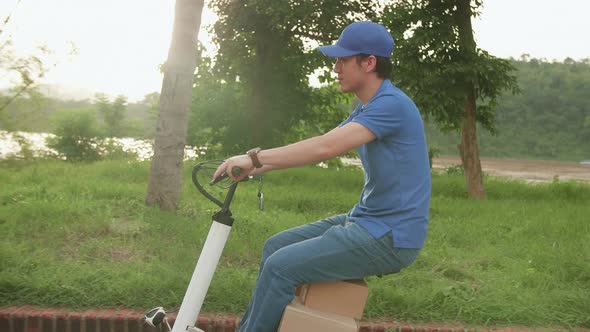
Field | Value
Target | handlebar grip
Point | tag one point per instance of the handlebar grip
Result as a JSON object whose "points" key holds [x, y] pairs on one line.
{"points": [[236, 170]]}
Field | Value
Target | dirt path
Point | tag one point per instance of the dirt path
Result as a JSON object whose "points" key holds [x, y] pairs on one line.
{"points": [[530, 170]]}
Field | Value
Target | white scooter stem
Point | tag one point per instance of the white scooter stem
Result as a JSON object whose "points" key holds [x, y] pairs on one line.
{"points": [[201, 279]]}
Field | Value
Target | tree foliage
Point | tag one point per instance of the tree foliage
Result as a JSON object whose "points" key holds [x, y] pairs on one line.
{"points": [[37, 114], [433, 66], [452, 80], [112, 113], [549, 119], [218, 120], [329, 107], [259, 77], [24, 72]]}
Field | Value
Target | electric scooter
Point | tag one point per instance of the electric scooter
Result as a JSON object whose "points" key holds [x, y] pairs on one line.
{"points": [[190, 308]]}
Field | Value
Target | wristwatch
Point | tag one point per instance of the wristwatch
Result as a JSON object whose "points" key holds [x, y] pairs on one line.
{"points": [[253, 154]]}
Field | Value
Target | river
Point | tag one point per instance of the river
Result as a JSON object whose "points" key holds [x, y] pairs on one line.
{"points": [[10, 146]]}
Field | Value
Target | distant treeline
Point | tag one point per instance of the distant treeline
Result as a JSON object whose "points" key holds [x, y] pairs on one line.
{"points": [[549, 119], [42, 114]]}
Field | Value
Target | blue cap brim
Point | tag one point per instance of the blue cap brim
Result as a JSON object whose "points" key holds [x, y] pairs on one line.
{"points": [[336, 51]]}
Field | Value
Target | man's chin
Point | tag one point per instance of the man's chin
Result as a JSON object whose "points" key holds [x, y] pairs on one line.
{"points": [[344, 89]]}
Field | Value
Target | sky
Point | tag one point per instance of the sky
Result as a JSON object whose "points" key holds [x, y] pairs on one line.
{"points": [[121, 43]]}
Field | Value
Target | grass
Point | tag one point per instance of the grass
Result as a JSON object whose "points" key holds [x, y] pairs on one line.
{"points": [[79, 235]]}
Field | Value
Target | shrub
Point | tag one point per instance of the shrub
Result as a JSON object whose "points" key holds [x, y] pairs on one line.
{"points": [[455, 169], [432, 153], [76, 136], [110, 149]]}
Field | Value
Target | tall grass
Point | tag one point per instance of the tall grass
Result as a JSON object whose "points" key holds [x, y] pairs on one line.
{"points": [[79, 235]]}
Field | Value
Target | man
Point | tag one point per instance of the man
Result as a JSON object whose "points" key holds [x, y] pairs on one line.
{"points": [[385, 230]]}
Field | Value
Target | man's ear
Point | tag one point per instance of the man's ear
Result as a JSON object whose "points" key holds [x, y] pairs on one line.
{"points": [[371, 64]]}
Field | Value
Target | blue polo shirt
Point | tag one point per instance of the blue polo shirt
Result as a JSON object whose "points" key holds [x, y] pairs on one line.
{"points": [[396, 194]]}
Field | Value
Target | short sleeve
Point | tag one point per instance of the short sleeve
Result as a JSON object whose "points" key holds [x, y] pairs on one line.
{"points": [[344, 122], [349, 117], [382, 116]]}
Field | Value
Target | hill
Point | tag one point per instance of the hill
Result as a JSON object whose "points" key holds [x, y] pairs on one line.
{"points": [[549, 119]]}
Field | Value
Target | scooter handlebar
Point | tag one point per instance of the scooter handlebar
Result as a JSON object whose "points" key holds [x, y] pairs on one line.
{"points": [[236, 170], [213, 165]]}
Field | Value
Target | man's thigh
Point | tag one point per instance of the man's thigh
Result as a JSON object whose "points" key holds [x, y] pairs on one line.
{"points": [[303, 232], [342, 252]]}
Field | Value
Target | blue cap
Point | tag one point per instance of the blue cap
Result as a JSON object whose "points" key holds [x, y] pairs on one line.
{"points": [[361, 38]]}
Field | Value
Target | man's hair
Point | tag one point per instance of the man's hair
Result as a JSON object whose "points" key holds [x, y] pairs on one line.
{"points": [[383, 68]]}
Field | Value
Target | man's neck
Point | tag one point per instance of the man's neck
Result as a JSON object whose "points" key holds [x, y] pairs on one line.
{"points": [[368, 91]]}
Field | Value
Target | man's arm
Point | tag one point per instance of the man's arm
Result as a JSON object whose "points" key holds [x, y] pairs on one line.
{"points": [[316, 149], [313, 150], [263, 169]]}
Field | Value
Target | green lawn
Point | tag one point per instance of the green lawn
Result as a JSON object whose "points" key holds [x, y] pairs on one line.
{"points": [[79, 235]]}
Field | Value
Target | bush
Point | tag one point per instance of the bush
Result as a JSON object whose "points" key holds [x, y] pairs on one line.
{"points": [[455, 169], [432, 153], [76, 136], [26, 152], [110, 149]]}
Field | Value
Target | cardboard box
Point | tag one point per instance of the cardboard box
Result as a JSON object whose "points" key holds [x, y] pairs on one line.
{"points": [[298, 318], [346, 298]]}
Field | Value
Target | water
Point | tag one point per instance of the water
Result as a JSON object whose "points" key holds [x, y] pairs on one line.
{"points": [[10, 146]]}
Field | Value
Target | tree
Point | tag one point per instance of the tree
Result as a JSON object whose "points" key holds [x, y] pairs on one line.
{"points": [[113, 113], [586, 128], [24, 72], [264, 59], [545, 120], [152, 101], [438, 62], [165, 179]]}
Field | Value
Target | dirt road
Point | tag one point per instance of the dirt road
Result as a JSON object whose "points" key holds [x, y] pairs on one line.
{"points": [[529, 170]]}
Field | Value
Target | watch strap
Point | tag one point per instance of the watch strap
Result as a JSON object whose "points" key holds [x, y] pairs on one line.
{"points": [[253, 154]]}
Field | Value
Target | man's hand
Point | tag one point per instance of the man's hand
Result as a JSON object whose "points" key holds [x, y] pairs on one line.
{"points": [[242, 161]]}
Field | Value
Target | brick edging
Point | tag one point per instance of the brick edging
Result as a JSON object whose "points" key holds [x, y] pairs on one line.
{"points": [[27, 318]]}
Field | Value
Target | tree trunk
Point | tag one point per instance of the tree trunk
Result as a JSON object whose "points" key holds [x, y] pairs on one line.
{"points": [[165, 180], [266, 57], [470, 152], [468, 147]]}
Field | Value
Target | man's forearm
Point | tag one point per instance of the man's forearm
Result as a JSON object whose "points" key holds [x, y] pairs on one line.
{"points": [[316, 149], [309, 151], [319, 148], [263, 169]]}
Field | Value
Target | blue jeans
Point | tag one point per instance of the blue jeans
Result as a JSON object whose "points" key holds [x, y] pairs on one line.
{"points": [[330, 249]]}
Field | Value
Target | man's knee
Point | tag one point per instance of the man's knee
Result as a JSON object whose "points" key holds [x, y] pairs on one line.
{"points": [[273, 264], [283, 263], [271, 245]]}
